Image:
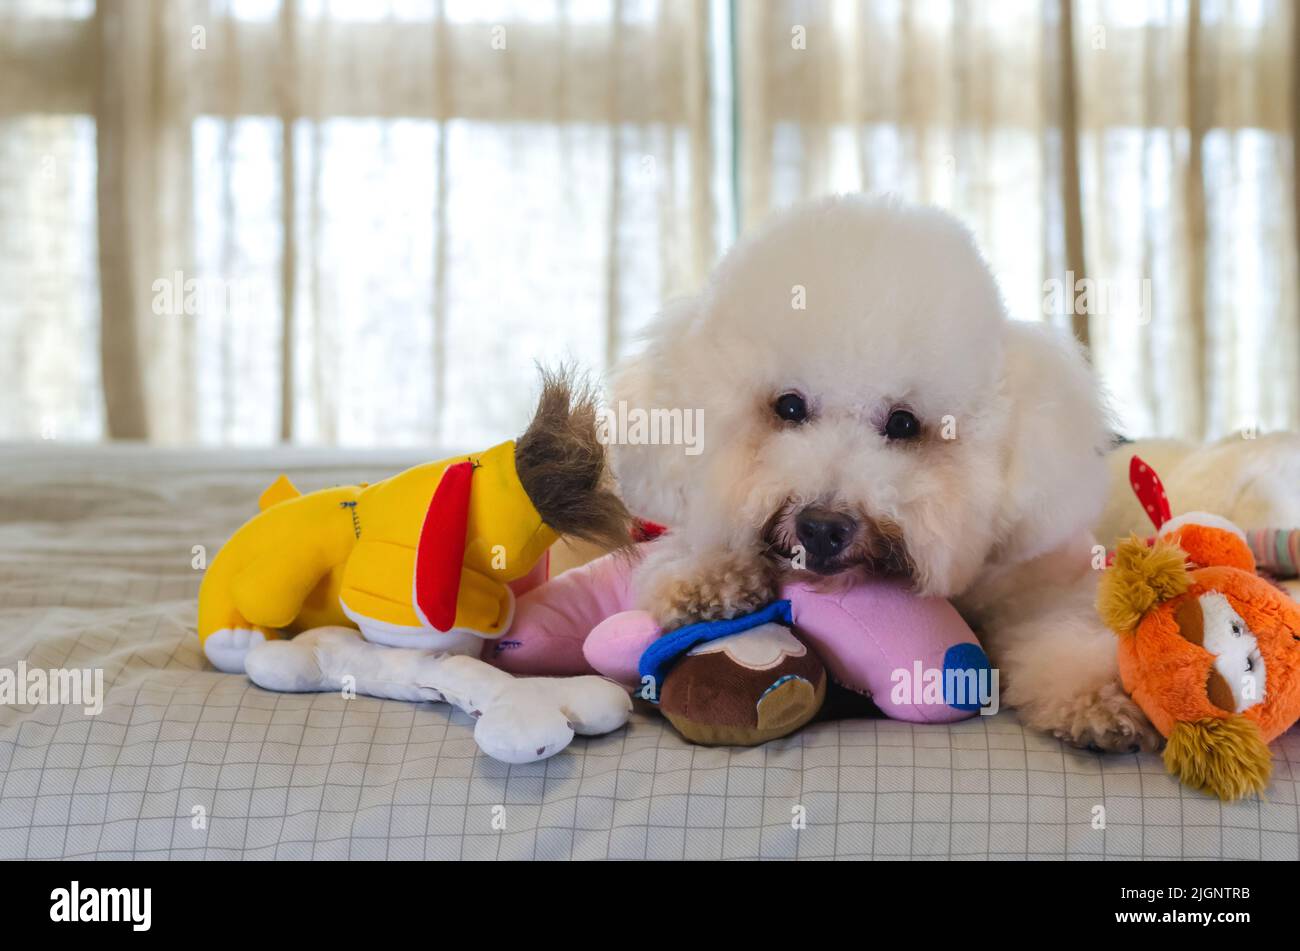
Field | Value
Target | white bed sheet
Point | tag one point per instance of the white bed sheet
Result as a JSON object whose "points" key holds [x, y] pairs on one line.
{"points": [[96, 547]]}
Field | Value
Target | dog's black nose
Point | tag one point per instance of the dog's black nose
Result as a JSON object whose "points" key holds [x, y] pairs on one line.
{"points": [[823, 533]]}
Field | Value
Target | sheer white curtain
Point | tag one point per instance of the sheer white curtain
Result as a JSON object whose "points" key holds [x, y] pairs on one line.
{"points": [[361, 221], [1145, 147], [337, 221]]}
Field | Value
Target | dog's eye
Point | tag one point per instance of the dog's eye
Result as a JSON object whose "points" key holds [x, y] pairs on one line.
{"points": [[791, 407], [902, 425]]}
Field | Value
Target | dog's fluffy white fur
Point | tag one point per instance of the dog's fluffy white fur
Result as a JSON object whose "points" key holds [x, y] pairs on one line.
{"points": [[864, 306]]}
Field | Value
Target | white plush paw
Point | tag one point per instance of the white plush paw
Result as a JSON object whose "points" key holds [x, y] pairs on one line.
{"points": [[227, 648], [524, 729], [593, 705], [533, 718], [285, 666]]}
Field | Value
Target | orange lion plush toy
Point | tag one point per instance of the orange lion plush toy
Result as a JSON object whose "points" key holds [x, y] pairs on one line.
{"points": [[1207, 648]]}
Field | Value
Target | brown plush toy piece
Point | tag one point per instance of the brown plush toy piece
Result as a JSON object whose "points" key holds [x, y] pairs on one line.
{"points": [[744, 689], [1208, 649]]}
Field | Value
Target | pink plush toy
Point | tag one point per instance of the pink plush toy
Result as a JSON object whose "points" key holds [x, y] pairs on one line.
{"points": [[914, 657]]}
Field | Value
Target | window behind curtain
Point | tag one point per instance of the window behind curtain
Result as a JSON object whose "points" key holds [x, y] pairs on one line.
{"points": [[465, 189], [456, 211]]}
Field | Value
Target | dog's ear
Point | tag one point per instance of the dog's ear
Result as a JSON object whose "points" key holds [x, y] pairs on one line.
{"points": [[1057, 440], [653, 479]]}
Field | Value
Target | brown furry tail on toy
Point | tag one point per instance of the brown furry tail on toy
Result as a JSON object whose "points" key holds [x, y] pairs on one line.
{"points": [[564, 468], [1225, 757]]}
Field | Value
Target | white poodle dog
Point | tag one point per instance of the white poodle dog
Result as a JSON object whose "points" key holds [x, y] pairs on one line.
{"points": [[868, 406]]}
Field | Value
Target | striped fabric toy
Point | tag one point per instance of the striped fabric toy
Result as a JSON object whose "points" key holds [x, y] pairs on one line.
{"points": [[1276, 551]]}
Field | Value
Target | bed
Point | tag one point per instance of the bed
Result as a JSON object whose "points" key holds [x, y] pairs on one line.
{"points": [[98, 555]]}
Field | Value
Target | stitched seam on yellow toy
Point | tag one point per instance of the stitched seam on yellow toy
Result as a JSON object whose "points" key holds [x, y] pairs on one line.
{"points": [[373, 594], [401, 546], [351, 506]]}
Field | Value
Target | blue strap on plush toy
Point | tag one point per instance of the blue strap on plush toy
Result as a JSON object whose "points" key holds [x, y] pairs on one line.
{"points": [[660, 656]]}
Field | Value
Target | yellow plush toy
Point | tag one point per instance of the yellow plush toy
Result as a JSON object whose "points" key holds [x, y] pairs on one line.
{"points": [[395, 587], [419, 560], [423, 559]]}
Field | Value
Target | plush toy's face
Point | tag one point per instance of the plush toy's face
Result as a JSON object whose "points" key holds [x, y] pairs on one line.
{"points": [[1238, 677], [506, 534]]}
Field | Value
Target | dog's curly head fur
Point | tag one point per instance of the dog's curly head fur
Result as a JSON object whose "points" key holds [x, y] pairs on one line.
{"points": [[857, 311]]}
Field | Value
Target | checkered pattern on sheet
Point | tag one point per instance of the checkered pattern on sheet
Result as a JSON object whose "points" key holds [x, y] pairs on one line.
{"points": [[95, 571]]}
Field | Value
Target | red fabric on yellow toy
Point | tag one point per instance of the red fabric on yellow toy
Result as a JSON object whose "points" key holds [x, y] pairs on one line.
{"points": [[1207, 648]]}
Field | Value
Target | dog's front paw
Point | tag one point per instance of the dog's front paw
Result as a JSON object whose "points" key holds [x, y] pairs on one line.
{"points": [[1105, 719], [725, 586]]}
